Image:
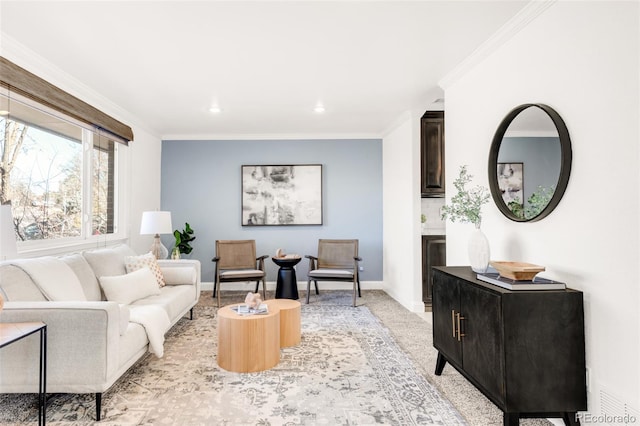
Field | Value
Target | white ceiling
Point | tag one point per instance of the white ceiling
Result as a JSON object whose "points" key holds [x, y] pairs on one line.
{"points": [[266, 64]]}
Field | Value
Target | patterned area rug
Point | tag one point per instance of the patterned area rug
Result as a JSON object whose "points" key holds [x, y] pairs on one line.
{"points": [[348, 370]]}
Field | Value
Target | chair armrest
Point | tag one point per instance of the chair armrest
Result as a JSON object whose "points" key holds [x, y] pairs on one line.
{"points": [[357, 259], [260, 261], [194, 277], [216, 259], [312, 261]]}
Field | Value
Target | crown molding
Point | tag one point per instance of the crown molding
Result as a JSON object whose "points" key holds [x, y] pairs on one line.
{"points": [[521, 20], [270, 137]]}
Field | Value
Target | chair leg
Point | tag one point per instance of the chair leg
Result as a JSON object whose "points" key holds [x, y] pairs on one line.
{"points": [[308, 289], [215, 286], [264, 288], [257, 286], [359, 293], [316, 283], [218, 292], [354, 293]]}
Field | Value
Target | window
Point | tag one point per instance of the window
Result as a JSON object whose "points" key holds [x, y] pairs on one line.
{"points": [[59, 175]]}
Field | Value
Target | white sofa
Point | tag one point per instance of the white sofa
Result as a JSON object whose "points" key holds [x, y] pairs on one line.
{"points": [[92, 342]]}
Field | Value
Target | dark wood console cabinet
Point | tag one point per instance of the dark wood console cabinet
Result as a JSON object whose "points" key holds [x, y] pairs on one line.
{"points": [[432, 154], [434, 253], [524, 350]]}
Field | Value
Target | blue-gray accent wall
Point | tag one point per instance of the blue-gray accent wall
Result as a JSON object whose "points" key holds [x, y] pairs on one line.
{"points": [[201, 184]]}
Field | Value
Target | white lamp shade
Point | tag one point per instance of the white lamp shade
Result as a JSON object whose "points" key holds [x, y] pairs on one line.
{"points": [[8, 245], [156, 223]]}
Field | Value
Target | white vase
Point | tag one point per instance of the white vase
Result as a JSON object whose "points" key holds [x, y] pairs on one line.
{"points": [[478, 251]]}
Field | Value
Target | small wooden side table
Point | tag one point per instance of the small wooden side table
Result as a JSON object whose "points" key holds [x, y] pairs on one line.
{"points": [[13, 332], [248, 343], [289, 320]]}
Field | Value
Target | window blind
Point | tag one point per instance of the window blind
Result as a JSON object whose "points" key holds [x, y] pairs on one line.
{"points": [[19, 80]]}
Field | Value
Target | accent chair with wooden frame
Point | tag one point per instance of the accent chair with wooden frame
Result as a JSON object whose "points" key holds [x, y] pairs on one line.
{"points": [[236, 261], [337, 260]]}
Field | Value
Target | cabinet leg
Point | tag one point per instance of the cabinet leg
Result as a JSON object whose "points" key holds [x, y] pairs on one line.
{"points": [[511, 419], [570, 418], [440, 363]]}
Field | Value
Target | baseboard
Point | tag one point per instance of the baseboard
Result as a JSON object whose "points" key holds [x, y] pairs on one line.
{"points": [[302, 285]]}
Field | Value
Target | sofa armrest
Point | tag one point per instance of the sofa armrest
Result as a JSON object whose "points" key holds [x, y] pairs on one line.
{"points": [[177, 271], [82, 346]]}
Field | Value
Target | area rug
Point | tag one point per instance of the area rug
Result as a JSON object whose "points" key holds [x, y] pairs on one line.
{"points": [[348, 370]]}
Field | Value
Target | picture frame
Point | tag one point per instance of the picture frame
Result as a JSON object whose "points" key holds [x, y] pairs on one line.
{"points": [[281, 195], [511, 185]]}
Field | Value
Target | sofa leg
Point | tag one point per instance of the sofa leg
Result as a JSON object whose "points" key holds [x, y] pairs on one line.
{"points": [[98, 405]]}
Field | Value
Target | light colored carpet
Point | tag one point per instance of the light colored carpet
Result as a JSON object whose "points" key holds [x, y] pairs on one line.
{"points": [[369, 365]]}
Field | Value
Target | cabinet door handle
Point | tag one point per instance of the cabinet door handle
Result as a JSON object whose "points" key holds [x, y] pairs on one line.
{"points": [[453, 322], [459, 318]]}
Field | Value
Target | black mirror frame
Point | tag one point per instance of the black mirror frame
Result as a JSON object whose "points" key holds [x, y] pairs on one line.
{"points": [[565, 163]]}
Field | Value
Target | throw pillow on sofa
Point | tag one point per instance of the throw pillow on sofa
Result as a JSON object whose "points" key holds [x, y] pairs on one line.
{"points": [[108, 261], [128, 288], [133, 263]]}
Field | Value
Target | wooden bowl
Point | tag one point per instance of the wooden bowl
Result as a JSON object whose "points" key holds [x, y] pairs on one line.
{"points": [[519, 271]]}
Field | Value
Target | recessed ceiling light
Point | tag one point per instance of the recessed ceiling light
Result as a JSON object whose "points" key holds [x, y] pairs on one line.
{"points": [[319, 109], [215, 109]]}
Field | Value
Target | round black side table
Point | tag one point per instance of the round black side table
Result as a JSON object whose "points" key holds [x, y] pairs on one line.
{"points": [[287, 283]]}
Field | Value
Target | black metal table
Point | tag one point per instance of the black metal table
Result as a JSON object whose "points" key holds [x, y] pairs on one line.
{"points": [[287, 283], [13, 332]]}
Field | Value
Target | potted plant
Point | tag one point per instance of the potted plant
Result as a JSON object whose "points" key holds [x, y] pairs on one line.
{"points": [[466, 207], [183, 241]]}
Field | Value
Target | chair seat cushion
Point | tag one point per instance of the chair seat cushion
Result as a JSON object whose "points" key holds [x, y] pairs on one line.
{"points": [[242, 273], [331, 273]]}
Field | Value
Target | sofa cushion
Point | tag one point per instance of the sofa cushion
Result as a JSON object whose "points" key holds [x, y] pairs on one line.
{"points": [[172, 298], [17, 285], [85, 274], [108, 262], [128, 288], [133, 263]]}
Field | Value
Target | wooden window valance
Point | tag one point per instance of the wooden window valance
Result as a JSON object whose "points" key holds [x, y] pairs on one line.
{"points": [[19, 80]]}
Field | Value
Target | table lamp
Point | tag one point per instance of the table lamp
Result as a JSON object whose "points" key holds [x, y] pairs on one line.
{"points": [[156, 223]]}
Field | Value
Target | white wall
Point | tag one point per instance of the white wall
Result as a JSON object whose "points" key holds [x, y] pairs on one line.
{"points": [[581, 58], [402, 259], [144, 169]]}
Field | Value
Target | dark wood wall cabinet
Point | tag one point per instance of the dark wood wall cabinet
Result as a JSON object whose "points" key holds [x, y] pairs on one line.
{"points": [[434, 253], [432, 154], [524, 350]]}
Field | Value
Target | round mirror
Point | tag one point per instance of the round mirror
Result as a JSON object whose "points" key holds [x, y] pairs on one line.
{"points": [[529, 162]]}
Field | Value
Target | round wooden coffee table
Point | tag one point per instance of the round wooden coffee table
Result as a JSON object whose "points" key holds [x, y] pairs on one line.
{"points": [[289, 320], [248, 343]]}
